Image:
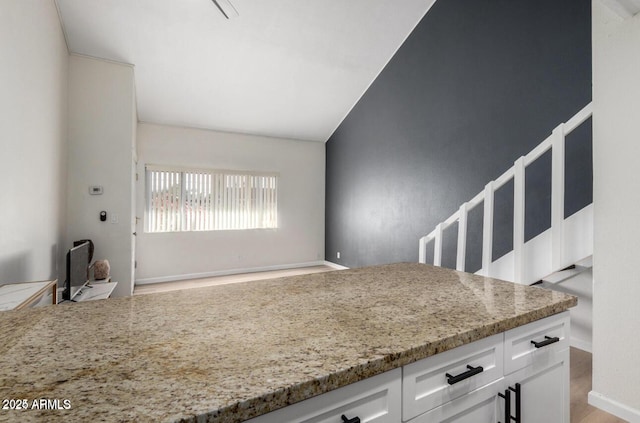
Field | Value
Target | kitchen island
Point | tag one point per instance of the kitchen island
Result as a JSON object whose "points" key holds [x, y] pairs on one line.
{"points": [[233, 352]]}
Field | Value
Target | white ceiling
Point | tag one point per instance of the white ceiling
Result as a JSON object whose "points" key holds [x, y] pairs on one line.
{"points": [[283, 68]]}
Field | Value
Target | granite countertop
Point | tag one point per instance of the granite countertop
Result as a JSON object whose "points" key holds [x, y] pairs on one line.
{"points": [[231, 352]]}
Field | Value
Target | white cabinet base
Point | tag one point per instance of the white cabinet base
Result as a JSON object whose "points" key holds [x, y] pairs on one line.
{"points": [[422, 392]]}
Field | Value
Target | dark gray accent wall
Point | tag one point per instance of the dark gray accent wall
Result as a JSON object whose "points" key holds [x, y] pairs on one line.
{"points": [[477, 84]]}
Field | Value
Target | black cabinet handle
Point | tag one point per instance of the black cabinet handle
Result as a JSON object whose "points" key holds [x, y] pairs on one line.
{"points": [[547, 340], [353, 420], [517, 417], [462, 376], [507, 405], [508, 418]]}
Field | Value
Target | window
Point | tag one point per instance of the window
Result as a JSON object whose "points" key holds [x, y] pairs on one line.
{"points": [[181, 200]]}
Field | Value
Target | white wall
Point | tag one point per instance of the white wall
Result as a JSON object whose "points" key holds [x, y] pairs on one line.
{"points": [[101, 130], [616, 192], [299, 237], [33, 125]]}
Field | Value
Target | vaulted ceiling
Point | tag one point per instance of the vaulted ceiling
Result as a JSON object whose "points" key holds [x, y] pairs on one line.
{"points": [[282, 68]]}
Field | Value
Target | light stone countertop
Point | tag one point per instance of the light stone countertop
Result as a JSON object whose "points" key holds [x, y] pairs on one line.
{"points": [[231, 352]]}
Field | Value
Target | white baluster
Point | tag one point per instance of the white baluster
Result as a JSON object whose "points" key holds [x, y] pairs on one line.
{"points": [[422, 252], [487, 229], [518, 221], [437, 248], [462, 238], [557, 198]]}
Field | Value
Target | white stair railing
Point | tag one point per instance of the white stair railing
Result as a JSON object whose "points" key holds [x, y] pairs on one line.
{"points": [[557, 240]]}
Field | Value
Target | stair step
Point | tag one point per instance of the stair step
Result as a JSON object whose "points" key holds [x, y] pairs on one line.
{"points": [[580, 266]]}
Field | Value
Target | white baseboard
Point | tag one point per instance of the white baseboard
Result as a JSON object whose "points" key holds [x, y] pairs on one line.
{"points": [[335, 265], [581, 345], [173, 278], [614, 407]]}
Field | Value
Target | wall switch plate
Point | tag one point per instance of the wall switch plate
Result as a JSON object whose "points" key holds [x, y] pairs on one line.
{"points": [[338, 254], [95, 190]]}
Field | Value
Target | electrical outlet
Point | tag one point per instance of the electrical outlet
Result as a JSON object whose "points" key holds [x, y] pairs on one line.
{"points": [[338, 254]]}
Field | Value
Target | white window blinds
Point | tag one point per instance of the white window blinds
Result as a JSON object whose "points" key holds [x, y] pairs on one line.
{"points": [[180, 200]]}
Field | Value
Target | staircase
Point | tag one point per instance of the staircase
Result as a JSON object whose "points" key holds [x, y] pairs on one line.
{"points": [[567, 242]]}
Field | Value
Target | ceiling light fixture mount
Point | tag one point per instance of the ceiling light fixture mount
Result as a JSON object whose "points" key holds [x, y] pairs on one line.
{"points": [[226, 8]]}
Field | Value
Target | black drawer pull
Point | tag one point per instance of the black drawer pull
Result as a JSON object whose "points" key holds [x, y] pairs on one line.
{"points": [[353, 420], [547, 340], [462, 376]]}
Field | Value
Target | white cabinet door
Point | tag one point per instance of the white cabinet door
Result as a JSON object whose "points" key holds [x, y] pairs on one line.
{"points": [[479, 406], [544, 391]]}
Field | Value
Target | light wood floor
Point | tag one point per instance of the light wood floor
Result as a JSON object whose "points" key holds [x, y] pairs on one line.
{"points": [[222, 280], [581, 411]]}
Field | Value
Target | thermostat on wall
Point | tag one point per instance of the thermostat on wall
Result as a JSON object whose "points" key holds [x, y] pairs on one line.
{"points": [[95, 190]]}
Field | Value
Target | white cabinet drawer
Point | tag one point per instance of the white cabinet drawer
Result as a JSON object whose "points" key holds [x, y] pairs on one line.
{"points": [[425, 384], [520, 350], [373, 400], [478, 406]]}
